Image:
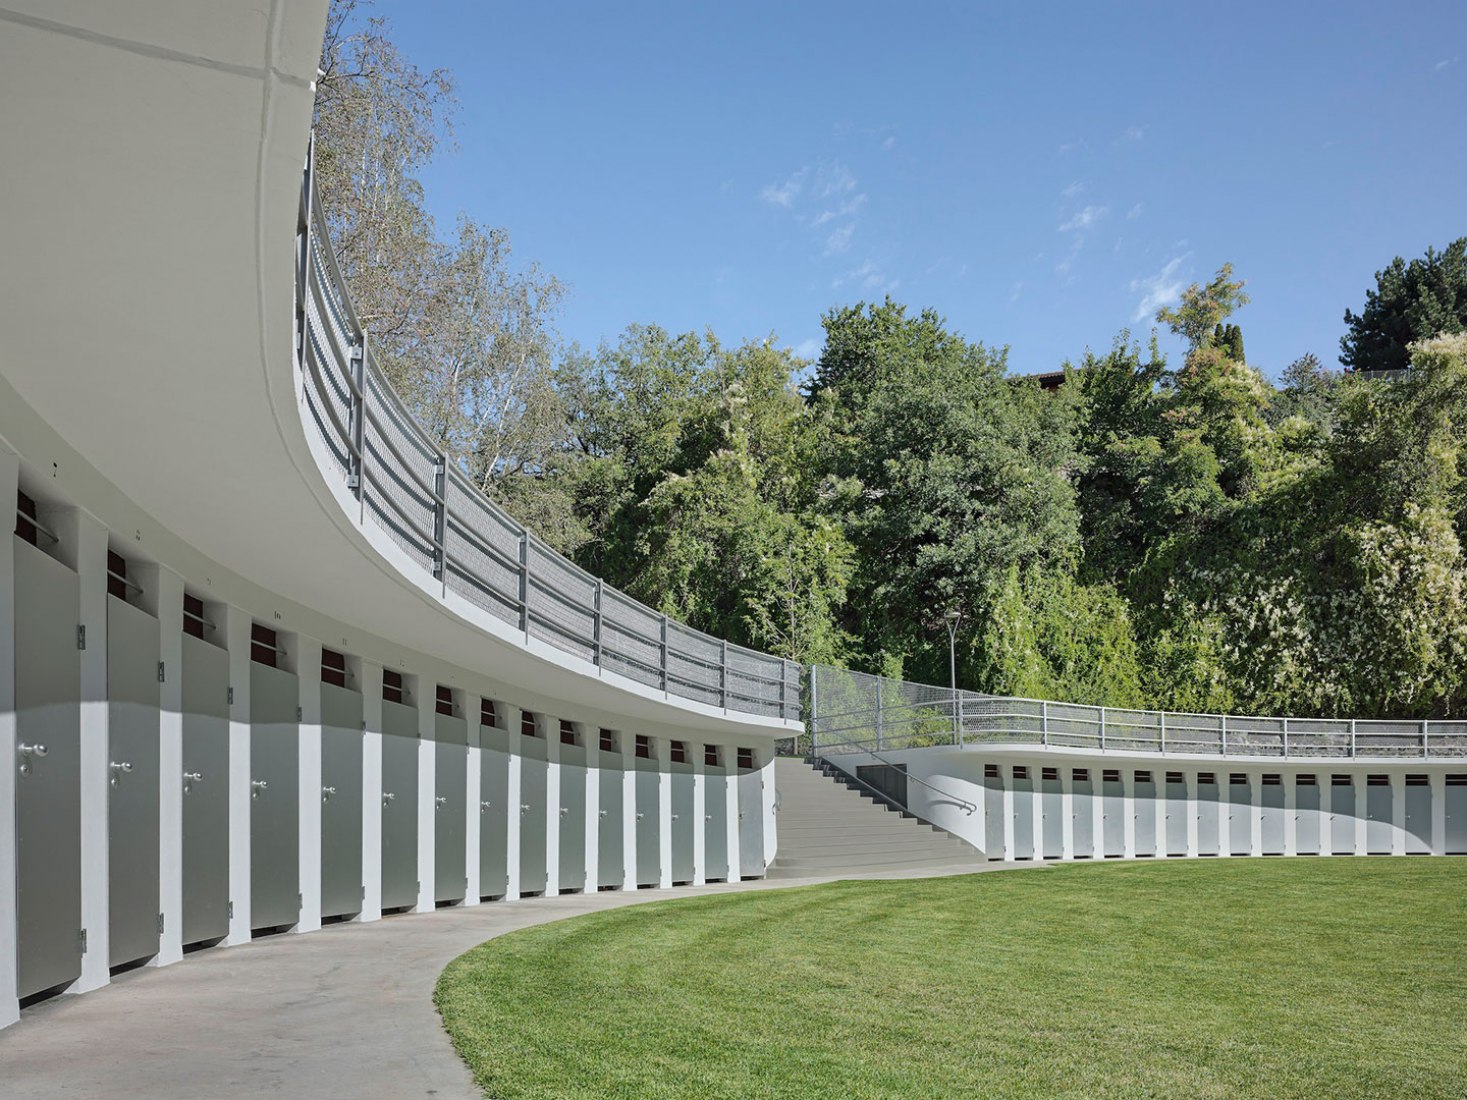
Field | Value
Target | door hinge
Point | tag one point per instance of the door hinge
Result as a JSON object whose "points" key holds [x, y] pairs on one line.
{"points": [[231, 696], [161, 677], [160, 924], [229, 911], [300, 902], [81, 636], [82, 939], [299, 714]]}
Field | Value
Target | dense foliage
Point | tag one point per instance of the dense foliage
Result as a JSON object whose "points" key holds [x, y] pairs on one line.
{"points": [[1188, 536]]}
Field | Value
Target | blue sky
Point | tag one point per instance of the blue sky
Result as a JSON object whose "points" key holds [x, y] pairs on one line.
{"points": [[1042, 174]]}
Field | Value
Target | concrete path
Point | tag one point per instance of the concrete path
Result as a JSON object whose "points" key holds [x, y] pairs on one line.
{"points": [[345, 1013]]}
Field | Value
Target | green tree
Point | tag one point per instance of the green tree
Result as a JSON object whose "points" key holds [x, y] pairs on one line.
{"points": [[1410, 302]]}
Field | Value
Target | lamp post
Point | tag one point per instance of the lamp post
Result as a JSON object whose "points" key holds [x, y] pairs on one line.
{"points": [[952, 618]]}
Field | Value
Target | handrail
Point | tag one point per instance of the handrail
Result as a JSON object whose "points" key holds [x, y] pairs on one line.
{"points": [[967, 807], [381, 444]]}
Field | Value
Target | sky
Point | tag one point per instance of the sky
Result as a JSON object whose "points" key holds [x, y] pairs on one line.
{"points": [[1043, 174]]}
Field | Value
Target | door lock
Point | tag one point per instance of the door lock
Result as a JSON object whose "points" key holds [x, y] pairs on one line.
{"points": [[190, 778], [26, 752], [118, 769], [326, 793], [258, 785]]}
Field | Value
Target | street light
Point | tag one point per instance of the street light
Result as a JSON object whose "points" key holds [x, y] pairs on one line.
{"points": [[952, 617]]}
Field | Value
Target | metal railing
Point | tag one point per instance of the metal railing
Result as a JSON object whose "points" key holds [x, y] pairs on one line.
{"points": [[411, 489], [856, 712]]}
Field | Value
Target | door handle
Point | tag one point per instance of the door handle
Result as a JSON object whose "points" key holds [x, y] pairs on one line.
{"points": [[193, 777], [256, 786], [26, 752], [118, 769], [484, 806], [441, 800], [326, 793], [388, 796]]}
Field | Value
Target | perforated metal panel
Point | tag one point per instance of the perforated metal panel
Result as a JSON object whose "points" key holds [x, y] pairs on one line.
{"points": [[132, 793], [572, 817], [1023, 818], [1113, 817], [450, 785], [205, 791], [494, 810], [683, 823], [1240, 817], [1308, 821], [1175, 817], [993, 817], [1418, 818], [609, 831], [1209, 819], [1082, 817], [751, 824], [533, 838], [399, 805], [48, 788], [341, 801], [1379, 808], [715, 825], [274, 807], [1456, 814], [1143, 814], [1343, 810], [1052, 820], [649, 857]]}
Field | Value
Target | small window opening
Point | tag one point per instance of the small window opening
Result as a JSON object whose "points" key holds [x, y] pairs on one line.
{"points": [[643, 747], [1207, 779], [1021, 771], [488, 716], [1456, 779], [679, 752], [443, 701], [392, 689], [1340, 779], [1305, 781], [608, 741], [1377, 781], [710, 756], [1110, 775], [567, 732], [26, 527], [333, 668], [990, 771], [265, 646], [746, 759], [194, 622], [117, 582], [1080, 775], [1238, 779], [1142, 777], [1175, 777], [1417, 781], [1048, 773], [528, 725], [1271, 780]]}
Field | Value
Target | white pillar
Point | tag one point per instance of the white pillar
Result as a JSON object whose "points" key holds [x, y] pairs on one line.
{"points": [[91, 567], [1097, 813], [1290, 780], [700, 812], [427, 700], [512, 718], [1439, 813], [663, 752], [1036, 812], [170, 767], [1190, 777], [237, 635], [553, 802], [308, 743], [1128, 812], [628, 745], [1067, 810], [590, 742], [1361, 791], [730, 780], [473, 795], [1255, 813], [9, 1002], [1006, 777], [1326, 815], [1398, 813], [371, 792]]}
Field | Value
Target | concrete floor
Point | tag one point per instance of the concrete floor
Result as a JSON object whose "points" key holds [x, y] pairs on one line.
{"points": [[346, 1012]]}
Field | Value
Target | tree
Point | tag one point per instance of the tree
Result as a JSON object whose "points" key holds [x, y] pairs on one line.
{"points": [[1410, 302], [1202, 308]]}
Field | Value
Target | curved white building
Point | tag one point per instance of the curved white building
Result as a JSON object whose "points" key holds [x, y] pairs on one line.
{"points": [[265, 660]]}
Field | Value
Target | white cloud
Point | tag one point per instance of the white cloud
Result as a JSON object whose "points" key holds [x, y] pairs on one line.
{"points": [[840, 240], [1162, 289], [888, 143], [809, 349], [1131, 134], [1135, 212], [847, 209], [1074, 190], [1084, 220], [1440, 65], [1018, 289], [784, 194], [868, 276]]}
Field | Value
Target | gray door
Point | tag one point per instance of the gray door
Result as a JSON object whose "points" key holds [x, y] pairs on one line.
{"points": [[341, 801], [649, 857], [1209, 818], [132, 785], [1271, 834], [1240, 818], [1306, 818], [1082, 817], [993, 816], [572, 817], [683, 824], [609, 853], [1418, 815], [494, 810], [533, 835], [1175, 816], [450, 785], [205, 791], [1456, 814], [399, 805], [1342, 817], [751, 824], [1023, 817], [274, 798], [48, 787], [1143, 814], [1113, 817], [1379, 810], [715, 825], [1053, 818]]}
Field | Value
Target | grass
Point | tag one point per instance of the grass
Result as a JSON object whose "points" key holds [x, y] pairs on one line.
{"points": [[1229, 978]]}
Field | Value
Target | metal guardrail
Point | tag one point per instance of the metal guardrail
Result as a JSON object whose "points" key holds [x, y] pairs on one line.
{"points": [[857, 712], [424, 502]]}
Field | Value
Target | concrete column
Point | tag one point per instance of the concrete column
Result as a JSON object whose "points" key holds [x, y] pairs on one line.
{"points": [[1326, 815], [1362, 796], [1097, 813], [512, 718], [662, 749], [371, 792], [1006, 777], [426, 697], [90, 542], [1036, 812], [550, 730], [700, 812], [1192, 813], [1128, 812], [237, 625], [769, 792], [1067, 811], [1438, 813], [1255, 813], [1290, 780], [730, 778], [1398, 812], [473, 795], [628, 745], [169, 591], [591, 742], [9, 1002], [308, 743]]}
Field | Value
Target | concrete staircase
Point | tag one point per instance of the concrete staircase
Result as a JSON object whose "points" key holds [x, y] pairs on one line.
{"points": [[826, 827]]}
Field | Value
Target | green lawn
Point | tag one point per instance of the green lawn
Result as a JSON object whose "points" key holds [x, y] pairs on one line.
{"points": [[1218, 978]]}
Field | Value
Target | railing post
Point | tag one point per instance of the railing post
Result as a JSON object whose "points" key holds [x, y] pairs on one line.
{"points": [[525, 583], [879, 716], [1102, 728], [1044, 722], [1425, 739], [596, 623], [961, 733], [1161, 716], [1352, 738], [1225, 735], [783, 684], [356, 478], [814, 716], [440, 516], [1286, 737], [662, 646]]}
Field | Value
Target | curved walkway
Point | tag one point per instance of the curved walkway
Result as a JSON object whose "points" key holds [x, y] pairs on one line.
{"points": [[344, 1012]]}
